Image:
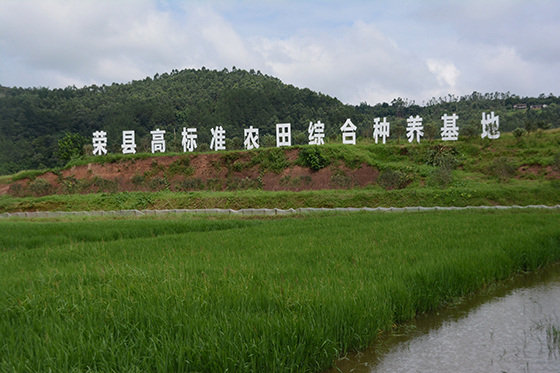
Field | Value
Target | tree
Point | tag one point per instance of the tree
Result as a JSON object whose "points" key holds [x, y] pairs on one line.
{"points": [[71, 146]]}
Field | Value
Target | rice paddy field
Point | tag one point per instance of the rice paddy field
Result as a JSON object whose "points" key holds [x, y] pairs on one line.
{"points": [[216, 294]]}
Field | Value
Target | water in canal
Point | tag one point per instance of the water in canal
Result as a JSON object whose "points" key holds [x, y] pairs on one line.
{"points": [[503, 329]]}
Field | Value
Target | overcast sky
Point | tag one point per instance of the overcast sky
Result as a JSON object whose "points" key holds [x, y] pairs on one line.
{"points": [[357, 51]]}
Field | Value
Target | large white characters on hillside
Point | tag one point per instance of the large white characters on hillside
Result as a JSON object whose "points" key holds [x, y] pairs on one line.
{"points": [[490, 126], [414, 126], [251, 136], [218, 138], [450, 131], [158, 142], [128, 143], [380, 129], [99, 142], [316, 133], [348, 130], [283, 134], [189, 139]]}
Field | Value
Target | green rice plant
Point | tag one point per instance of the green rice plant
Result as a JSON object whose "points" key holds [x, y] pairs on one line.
{"points": [[551, 327], [553, 337], [283, 295]]}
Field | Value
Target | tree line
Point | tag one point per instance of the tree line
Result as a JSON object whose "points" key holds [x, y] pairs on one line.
{"points": [[35, 121]]}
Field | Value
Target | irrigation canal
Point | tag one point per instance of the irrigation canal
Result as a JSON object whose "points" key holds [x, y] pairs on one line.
{"points": [[502, 329]]}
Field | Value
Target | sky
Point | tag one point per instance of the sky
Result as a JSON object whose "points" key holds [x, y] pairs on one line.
{"points": [[358, 51]]}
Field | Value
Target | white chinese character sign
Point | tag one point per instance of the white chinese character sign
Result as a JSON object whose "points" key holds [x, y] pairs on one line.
{"points": [[128, 145], [158, 143], [490, 125], [316, 133], [283, 134], [348, 130], [218, 138], [251, 136], [99, 142], [450, 131], [414, 126], [189, 139], [380, 129]]}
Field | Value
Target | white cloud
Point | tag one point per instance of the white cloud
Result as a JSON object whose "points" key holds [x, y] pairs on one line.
{"points": [[358, 51], [359, 63], [446, 74]]}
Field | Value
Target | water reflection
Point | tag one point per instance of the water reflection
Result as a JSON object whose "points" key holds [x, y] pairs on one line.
{"points": [[500, 330]]}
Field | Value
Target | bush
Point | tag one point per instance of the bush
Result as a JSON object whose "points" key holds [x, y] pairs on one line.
{"points": [[272, 159], [191, 184], [442, 156], [268, 141], [180, 166], [313, 158], [519, 132], [40, 187], [470, 131], [340, 179], [503, 169], [557, 161], [71, 146], [392, 179], [441, 177]]}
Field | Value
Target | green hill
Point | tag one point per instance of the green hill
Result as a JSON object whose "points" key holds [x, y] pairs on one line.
{"points": [[33, 120]]}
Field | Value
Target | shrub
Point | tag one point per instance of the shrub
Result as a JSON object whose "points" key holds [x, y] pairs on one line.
{"points": [[16, 190], [191, 184], [70, 184], [441, 177], [138, 179], [105, 185], [272, 159], [557, 161], [313, 157], [519, 132], [243, 184], [214, 184], [502, 168], [268, 141], [469, 131], [40, 187], [393, 179], [182, 165], [442, 155], [158, 183], [340, 179]]}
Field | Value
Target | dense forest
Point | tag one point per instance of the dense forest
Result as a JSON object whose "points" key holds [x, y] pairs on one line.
{"points": [[34, 120]]}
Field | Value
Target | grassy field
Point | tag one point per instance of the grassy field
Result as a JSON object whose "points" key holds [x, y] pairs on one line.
{"points": [[218, 294]]}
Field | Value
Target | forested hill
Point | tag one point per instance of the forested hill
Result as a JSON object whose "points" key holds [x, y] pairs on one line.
{"points": [[33, 120]]}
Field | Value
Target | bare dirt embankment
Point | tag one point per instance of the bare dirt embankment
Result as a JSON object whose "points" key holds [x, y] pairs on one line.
{"points": [[191, 172]]}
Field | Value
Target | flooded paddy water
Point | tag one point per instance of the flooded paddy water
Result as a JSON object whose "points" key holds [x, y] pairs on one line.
{"points": [[506, 328]]}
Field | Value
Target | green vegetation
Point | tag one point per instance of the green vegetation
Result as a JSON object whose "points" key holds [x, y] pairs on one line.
{"points": [[181, 294], [42, 128], [507, 171]]}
